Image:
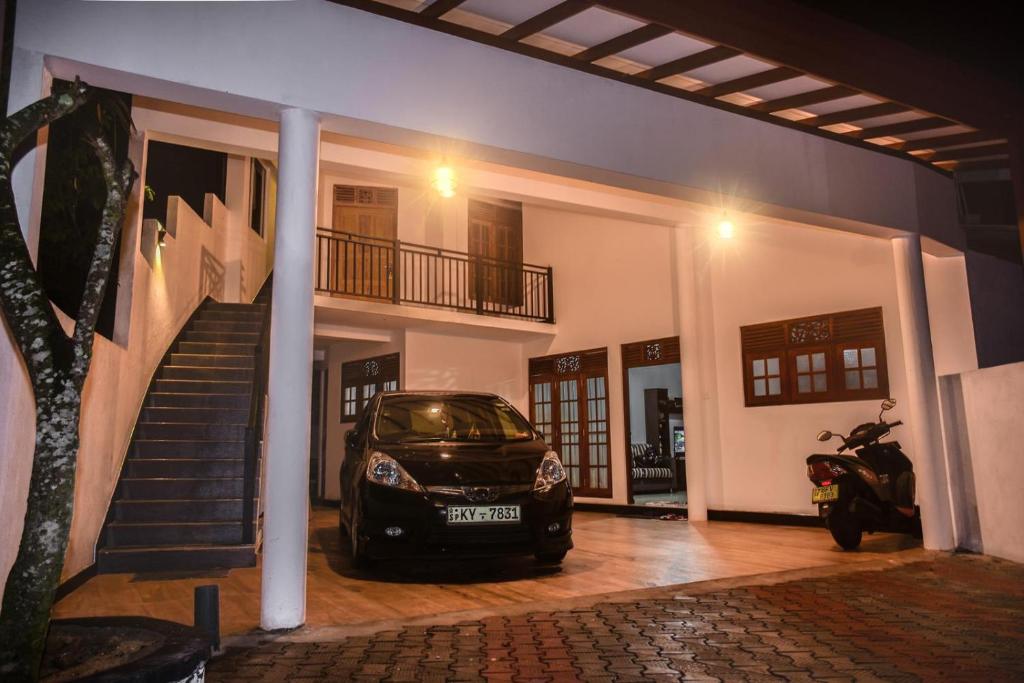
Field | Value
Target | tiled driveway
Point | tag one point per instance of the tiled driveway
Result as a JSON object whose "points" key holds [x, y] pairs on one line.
{"points": [[948, 617]]}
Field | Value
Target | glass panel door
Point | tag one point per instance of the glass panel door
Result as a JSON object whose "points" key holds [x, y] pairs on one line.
{"points": [[569, 429]]}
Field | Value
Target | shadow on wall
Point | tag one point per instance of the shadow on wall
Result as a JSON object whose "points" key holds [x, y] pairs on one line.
{"points": [[997, 306], [211, 275]]}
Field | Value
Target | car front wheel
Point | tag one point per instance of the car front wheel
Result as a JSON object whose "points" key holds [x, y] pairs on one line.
{"points": [[551, 558]]}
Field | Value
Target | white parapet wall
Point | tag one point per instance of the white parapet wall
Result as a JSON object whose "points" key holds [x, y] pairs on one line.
{"points": [[982, 413]]}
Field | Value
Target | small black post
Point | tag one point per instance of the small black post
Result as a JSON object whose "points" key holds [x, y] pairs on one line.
{"points": [[396, 272], [207, 613], [551, 295], [479, 285]]}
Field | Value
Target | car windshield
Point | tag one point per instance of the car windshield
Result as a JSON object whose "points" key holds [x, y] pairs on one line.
{"points": [[449, 418]]}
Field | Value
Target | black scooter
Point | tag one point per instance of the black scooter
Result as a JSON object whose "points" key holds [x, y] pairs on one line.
{"points": [[870, 491]]}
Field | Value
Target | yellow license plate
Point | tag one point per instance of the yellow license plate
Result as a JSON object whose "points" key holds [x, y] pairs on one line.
{"points": [[825, 494]]}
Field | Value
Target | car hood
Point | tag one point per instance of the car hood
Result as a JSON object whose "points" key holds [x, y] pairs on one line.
{"points": [[475, 464]]}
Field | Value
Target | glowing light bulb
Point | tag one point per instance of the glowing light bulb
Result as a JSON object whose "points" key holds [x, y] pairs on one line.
{"points": [[444, 181], [725, 228]]}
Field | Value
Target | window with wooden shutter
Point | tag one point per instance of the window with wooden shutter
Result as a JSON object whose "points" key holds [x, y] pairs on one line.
{"points": [[832, 357], [362, 379], [569, 406]]}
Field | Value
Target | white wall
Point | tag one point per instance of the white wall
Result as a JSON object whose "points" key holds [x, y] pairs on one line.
{"points": [[773, 272], [949, 314], [988, 415], [257, 57]]}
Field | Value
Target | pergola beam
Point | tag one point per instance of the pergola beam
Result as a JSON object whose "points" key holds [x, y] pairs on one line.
{"points": [[439, 8], [912, 126], [960, 153], [835, 92], [547, 19], [618, 44], [941, 141], [776, 75], [688, 63], [856, 114]]}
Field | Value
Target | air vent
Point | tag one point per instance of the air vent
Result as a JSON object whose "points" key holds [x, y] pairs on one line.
{"points": [[763, 337], [857, 324], [366, 196]]}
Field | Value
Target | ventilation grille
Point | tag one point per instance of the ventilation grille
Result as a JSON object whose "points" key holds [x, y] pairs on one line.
{"points": [[366, 196], [857, 324], [767, 337]]}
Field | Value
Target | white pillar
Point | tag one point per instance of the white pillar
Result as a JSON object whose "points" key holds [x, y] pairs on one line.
{"points": [[286, 516], [922, 395], [694, 419]]}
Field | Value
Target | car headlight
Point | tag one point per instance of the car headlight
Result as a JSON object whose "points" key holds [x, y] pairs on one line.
{"points": [[549, 473], [385, 470]]}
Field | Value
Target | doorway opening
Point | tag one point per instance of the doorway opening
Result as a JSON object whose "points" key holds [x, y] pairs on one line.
{"points": [[655, 433]]}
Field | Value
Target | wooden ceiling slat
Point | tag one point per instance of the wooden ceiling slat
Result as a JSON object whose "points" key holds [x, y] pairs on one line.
{"points": [[776, 75], [941, 141], [547, 18], [835, 92], [688, 63], [617, 44], [439, 8], [856, 114], [912, 126], [970, 152]]}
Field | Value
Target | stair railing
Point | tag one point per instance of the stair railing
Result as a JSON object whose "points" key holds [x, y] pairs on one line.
{"points": [[254, 427]]}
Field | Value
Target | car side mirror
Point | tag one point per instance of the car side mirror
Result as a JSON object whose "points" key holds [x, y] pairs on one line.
{"points": [[888, 404], [352, 439], [824, 435]]}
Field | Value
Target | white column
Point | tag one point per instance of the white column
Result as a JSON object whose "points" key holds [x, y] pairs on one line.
{"points": [[922, 395], [286, 516], [694, 419]]}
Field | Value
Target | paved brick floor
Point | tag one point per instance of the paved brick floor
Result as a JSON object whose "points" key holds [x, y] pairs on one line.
{"points": [[952, 618]]}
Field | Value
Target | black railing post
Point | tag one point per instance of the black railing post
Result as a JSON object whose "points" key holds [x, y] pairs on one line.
{"points": [[479, 285], [396, 272], [551, 295]]}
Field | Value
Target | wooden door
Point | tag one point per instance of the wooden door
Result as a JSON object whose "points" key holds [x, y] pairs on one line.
{"points": [[369, 218], [496, 235], [569, 405]]}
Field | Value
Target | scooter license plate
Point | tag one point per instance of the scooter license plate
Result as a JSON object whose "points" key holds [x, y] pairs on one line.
{"points": [[825, 494]]}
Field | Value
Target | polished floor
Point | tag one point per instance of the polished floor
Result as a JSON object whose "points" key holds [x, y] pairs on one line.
{"points": [[612, 554]]}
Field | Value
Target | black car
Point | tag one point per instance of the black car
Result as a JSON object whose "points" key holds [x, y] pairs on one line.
{"points": [[446, 474]]}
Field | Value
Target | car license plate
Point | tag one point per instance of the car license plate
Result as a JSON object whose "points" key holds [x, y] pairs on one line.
{"points": [[483, 514], [825, 494]]}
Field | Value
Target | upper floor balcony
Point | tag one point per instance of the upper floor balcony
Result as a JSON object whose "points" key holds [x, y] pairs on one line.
{"points": [[360, 267]]}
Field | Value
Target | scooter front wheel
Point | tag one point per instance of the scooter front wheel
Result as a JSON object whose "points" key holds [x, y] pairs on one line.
{"points": [[845, 528]]}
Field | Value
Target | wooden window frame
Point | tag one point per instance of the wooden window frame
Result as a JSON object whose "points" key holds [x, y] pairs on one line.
{"points": [[663, 351], [365, 374], [503, 278], [831, 334], [578, 366]]}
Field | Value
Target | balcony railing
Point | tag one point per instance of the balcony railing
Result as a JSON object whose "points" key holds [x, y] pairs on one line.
{"points": [[402, 273]]}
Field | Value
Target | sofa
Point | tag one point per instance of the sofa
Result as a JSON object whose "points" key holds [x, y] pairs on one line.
{"points": [[651, 472]]}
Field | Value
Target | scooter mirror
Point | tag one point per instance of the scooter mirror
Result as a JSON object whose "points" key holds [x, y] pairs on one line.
{"points": [[888, 404], [824, 435]]}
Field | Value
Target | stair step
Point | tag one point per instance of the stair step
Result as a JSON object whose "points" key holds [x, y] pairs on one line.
{"points": [[185, 509], [174, 558], [170, 399], [232, 349], [166, 488], [121, 534], [217, 360], [207, 415], [212, 374], [231, 316], [190, 431], [185, 468], [186, 450], [223, 337], [218, 306], [219, 325], [190, 386]]}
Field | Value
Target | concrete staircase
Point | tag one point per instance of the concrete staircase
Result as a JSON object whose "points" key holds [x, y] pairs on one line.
{"points": [[181, 500]]}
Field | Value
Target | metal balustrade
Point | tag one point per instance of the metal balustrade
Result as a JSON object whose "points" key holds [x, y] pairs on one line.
{"points": [[356, 266]]}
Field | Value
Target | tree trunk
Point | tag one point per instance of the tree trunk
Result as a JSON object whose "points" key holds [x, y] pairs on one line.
{"points": [[36, 572]]}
